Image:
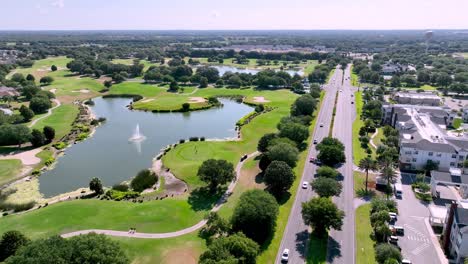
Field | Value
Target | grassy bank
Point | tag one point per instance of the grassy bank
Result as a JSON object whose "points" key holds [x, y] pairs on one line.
{"points": [[61, 120], [9, 169], [364, 244], [358, 152]]}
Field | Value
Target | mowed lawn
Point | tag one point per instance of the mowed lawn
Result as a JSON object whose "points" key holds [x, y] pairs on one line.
{"points": [[61, 120], [358, 152], [364, 244], [8, 169], [157, 216], [184, 249], [185, 159]]}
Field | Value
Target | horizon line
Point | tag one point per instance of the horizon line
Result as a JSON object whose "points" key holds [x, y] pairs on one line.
{"points": [[336, 29]]}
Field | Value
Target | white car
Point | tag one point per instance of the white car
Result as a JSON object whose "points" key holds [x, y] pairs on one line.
{"points": [[321, 124], [305, 185], [341, 90], [285, 255]]}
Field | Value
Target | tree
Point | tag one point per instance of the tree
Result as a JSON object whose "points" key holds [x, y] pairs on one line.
{"points": [[388, 173], [18, 77], [255, 215], [295, 131], [430, 166], [143, 180], [203, 82], [40, 104], [264, 141], [95, 185], [173, 87], [322, 214], [185, 107], [382, 231], [46, 80], [49, 133], [331, 155], [10, 242], [367, 164], [304, 105], [283, 152], [279, 177], [327, 172], [53, 68], [26, 113], [236, 248], [215, 226], [216, 172], [30, 78], [14, 134], [326, 187], [108, 84], [386, 251], [37, 138], [90, 248], [330, 141]]}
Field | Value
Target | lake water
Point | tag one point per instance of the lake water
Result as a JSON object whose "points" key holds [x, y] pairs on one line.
{"points": [[110, 156], [223, 69]]}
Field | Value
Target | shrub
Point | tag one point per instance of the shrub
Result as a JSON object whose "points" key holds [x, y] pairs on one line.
{"points": [[120, 187], [121, 195], [181, 141], [49, 161], [193, 139], [143, 180], [202, 138], [185, 107], [82, 136], [60, 145], [36, 172]]}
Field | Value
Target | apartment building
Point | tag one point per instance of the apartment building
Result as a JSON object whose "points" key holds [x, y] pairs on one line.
{"points": [[424, 136], [415, 98], [455, 240]]}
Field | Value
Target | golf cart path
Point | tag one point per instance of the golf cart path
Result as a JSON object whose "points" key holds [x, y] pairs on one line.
{"points": [[49, 112], [372, 139], [181, 232]]}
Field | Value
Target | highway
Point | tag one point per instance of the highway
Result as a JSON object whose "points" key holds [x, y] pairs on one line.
{"points": [[341, 244], [296, 234]]}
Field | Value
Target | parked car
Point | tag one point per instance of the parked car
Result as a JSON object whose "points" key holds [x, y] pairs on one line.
{"points": [[393, 216], [285, 255], [315, 141], [393, 239]]}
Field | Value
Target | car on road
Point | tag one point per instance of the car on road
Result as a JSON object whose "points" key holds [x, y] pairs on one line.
{"points": [[315, 141], [352, 102], [352, 95], [285, 255], [406, 261], [305, 185], [341, 91], [312, 159], [321, 124]]}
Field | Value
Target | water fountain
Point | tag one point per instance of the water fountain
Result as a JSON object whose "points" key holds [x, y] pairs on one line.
{"points": [[137, 136]]}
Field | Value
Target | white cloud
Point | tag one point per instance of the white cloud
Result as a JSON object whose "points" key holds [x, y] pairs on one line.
{"points": [[59, 3], [41, 10]]}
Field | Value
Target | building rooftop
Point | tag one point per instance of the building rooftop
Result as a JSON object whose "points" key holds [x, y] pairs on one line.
{"points": [[461, 216], [424, 95], [449, 177]]}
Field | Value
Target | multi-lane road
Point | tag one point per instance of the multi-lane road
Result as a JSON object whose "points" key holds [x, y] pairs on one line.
{"points": [[296, 234], [341, 244]]}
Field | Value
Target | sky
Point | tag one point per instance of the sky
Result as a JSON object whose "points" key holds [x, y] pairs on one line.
{"points": [[232, 15]]}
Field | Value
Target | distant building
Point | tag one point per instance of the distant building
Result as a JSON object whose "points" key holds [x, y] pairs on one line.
{"points": [[424, 136], [414, 98], [455, 234], [465, 114], [390, 68], [8, 91]]}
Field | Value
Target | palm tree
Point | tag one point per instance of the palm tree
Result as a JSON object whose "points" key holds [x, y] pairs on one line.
{"points": [[367, 164], [389, 174]]}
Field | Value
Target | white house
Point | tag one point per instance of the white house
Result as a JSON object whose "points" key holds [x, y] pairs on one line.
{"points": [[455, 239]]}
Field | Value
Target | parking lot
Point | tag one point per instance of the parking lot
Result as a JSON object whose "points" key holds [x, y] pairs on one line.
{"points": [[417, 243]]}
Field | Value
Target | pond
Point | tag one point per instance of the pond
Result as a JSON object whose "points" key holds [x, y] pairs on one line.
{"points": [[110, 156], [223, 69]]}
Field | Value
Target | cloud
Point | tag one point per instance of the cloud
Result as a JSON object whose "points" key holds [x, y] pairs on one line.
{"points": [[58, 3], [41, 10]]}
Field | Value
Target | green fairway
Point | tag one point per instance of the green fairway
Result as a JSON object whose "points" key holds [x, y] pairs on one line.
{"points": [[130, 62], [61, 120], [154, 216], [183, 249], [9, 169], [364, 243], [42, 67]]}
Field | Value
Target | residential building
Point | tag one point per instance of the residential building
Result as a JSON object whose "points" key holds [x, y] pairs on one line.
{"points": [[465, 114], [8, 91], [391, 68], [424, 136], [415, 98], [455, 234]]}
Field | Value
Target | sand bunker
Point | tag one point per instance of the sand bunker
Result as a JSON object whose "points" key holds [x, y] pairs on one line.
{"points": [[147, 100], [196, 100], [81, 91], [260, 99], [53, 90]]}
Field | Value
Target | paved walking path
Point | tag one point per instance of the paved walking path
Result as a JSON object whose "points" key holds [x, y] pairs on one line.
{"points": [[49, 112], [185, 231], [371, 141]]}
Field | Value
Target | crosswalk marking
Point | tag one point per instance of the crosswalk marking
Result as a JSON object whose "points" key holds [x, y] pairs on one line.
{"points": [[419, 249]]}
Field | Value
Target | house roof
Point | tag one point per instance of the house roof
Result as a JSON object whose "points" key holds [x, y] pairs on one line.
{"points": [[426, 145], [8, 91], [448, 177]]}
